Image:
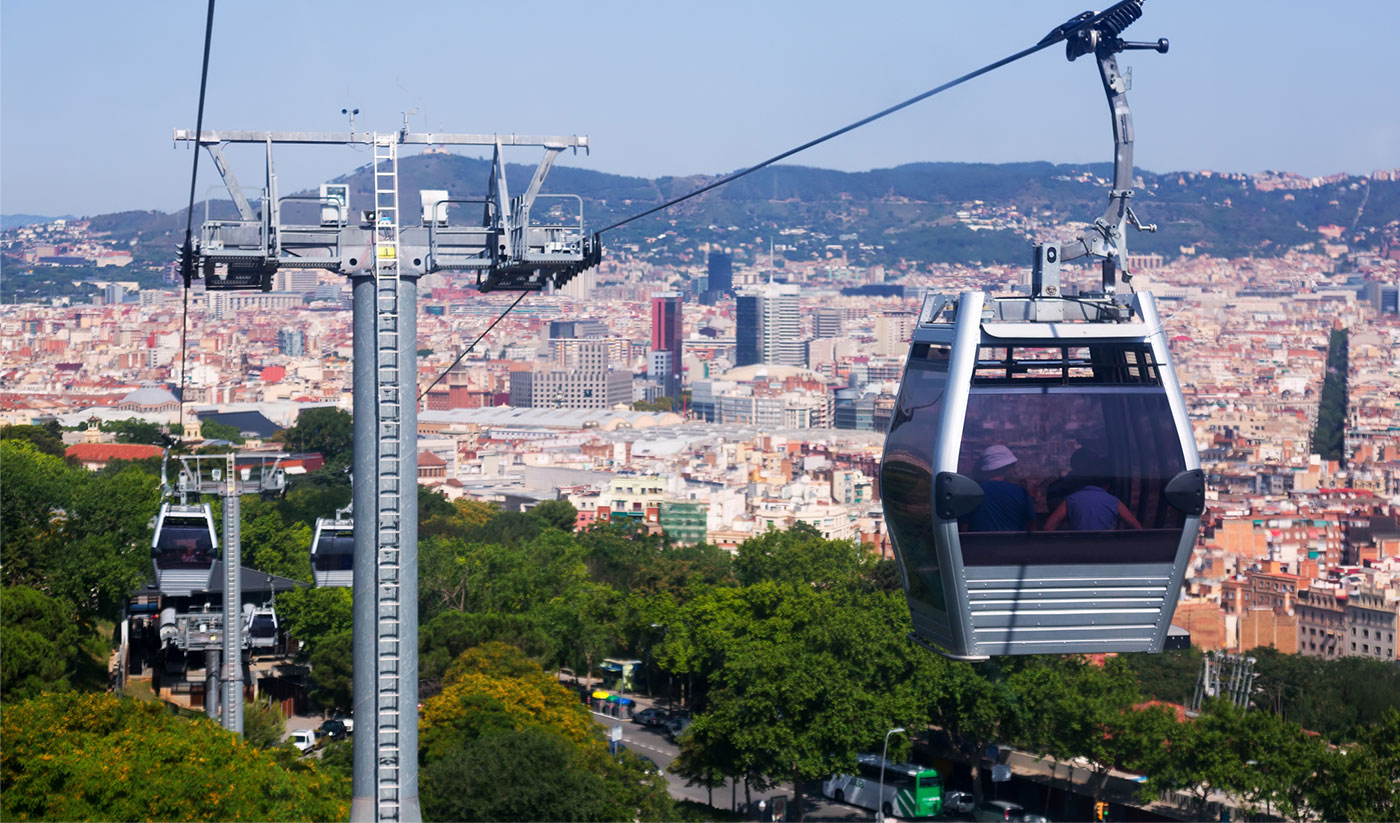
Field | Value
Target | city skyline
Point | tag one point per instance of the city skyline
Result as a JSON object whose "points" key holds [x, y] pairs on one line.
{"points": [[1230, 95]]}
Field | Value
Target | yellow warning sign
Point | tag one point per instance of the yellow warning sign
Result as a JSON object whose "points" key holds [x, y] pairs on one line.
{"points": [[387, 252]]}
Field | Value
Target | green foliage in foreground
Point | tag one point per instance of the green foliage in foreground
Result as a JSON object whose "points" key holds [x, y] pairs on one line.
{"points": [[505, 742], [45, 648], [100, 757], [74, 534]]}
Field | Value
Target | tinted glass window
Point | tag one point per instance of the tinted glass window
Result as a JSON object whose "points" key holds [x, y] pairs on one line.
{"points": [[334, 552], [184, 543], [263, 626], [906, 476], [1057, 459]]}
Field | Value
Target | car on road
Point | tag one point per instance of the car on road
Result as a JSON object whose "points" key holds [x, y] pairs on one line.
{"points": [[651, 717], [332, 730], [958, 802], [1032, 817], [999, 810], [675, 727], [304, 740], [648, 765]]}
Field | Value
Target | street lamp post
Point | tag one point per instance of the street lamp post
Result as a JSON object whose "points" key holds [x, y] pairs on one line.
{"points": [[880, 812]]}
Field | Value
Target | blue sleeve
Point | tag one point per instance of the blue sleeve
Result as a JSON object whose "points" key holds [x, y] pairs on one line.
{"points": [[1028, 513]]}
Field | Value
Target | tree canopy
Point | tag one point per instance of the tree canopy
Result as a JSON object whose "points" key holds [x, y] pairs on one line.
{"points": [[78, 756]]}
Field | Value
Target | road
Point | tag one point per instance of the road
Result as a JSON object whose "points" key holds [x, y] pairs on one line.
{"points": [[652, 742]]}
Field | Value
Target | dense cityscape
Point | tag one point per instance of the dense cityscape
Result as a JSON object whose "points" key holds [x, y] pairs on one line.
{"points": [[707, 434]]}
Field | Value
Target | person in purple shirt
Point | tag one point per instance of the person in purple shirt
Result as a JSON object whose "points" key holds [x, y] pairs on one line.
{"points": [[1006, 507], [1092, 507]]}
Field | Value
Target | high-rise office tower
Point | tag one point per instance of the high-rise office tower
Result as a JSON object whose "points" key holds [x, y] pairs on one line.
{"points": [[577, 328], [719, 276], [666, 337], [892, 333], [827, 322], [768, 328], [291, 342]]}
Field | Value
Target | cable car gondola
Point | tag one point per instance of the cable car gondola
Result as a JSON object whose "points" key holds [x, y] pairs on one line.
{"points": [[1040, 478], [259, 628], [184, 548], [333, 550]]}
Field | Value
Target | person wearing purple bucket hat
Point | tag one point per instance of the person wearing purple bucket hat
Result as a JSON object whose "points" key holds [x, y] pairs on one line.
{"points": [[1005, 507]]}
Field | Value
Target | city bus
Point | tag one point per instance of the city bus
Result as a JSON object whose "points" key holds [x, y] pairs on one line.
{"points": [[910, 790]]}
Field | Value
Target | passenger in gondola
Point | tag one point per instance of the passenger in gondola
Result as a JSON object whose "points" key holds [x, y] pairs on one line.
{"points": [[187, 554], [1092, 507], [1006, 506]]}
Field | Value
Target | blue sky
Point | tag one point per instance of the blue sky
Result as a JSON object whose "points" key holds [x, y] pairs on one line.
{"points": [[89, 91]]}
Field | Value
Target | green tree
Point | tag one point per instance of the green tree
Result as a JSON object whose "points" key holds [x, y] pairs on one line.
{"points": [[1199, 756], [136, 430], [74, 756], [107, 540], [333, 671], [311, 615], [432, 504], [41, 651], [34, 488], [47, 439], [214, 430], [1281, 759], [1170, 675], [799, 555], [497, 777], [803, 679], [325, 430], [273, 545], [1360, 781], [263, 724], [498, 724], [557, 514], [972, 709]]}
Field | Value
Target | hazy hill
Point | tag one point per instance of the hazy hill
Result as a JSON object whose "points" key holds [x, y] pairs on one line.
{"points": [[909, 210], [15, 221]]}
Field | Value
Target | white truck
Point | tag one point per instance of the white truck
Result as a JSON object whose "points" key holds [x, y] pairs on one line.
{"points": [[304, 740]]}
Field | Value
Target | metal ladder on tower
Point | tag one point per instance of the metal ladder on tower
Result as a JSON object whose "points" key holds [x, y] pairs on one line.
{"points": [[390, 399]]}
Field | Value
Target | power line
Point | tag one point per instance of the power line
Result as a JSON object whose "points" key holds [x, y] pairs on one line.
{"points": [[857, 124], [472, 346], [1049, 40], [187, 249]]}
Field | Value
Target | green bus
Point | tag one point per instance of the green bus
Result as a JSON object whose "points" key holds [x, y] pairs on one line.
{"points": [[910, 790]]}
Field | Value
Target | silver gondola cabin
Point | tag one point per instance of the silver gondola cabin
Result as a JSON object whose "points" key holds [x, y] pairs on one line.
{"points": [[184, 548], [1040, 479], [333, 550]]}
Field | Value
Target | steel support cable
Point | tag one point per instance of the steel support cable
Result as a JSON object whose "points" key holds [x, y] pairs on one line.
{"points": [[1057, 35], [187, 249], [478, 339], [830, 135]]}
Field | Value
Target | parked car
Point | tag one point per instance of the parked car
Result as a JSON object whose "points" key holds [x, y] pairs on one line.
{"points": [[304, 740], [332, 730], [651, 717], [958, 802], [347, 720], [648, 765], [675, 727], [999, 810]]}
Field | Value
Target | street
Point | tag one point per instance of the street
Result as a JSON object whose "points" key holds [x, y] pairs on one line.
{"points": [[652, 742]]}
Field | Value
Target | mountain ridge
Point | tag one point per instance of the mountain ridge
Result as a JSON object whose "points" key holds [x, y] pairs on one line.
{"points": [[908, 212]]}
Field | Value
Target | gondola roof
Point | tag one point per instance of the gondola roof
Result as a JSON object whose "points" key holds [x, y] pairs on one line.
{"points": [[255, 582]]}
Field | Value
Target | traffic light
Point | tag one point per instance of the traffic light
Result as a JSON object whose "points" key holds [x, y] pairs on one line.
{"points": [[1100, 810]]}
